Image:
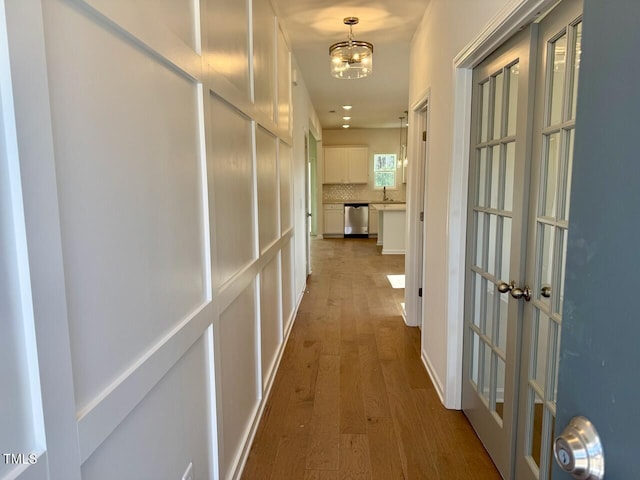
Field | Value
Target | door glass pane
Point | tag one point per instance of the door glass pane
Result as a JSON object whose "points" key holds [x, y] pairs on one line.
{"points": [[482, 179], [501, 372], [495, 177], [576, 67], [554, 352], [480, 231], [550, 175], [477, 299], [509, 176], [475, 357], [536, 414], [486, 371], [497, 112], [491, 309], [514, 73], [484, 118], [493, 243], [563, 249], [501, 331], [569, 170], [545, 261], [557, 59], [506, 250], [554, 393], [540, 350]]}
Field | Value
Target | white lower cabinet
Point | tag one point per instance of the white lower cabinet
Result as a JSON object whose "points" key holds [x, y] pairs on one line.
{"points": [[373, 220], [333, 220]]}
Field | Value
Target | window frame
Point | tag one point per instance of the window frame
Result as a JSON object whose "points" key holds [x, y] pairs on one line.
{"points": [[394, 170]]}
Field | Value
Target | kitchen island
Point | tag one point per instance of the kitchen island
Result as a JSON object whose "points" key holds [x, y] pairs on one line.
{"points": [[392, 227]]}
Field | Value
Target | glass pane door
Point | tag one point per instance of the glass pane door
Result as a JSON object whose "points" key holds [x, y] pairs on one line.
{"points": [[497, 176], [560, 35]]}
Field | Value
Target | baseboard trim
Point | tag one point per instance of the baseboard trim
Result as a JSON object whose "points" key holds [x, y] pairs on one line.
{"points": [[432, 375]]}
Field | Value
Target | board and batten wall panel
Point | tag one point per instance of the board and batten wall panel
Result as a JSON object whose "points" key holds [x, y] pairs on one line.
{"points": [[287, 285], [237, 379], [284, 82], [129, 194], [179, 16], [286, 187], [270, 317], [264, 58], [174, 419], [267, 173], [230, 169], [174, 203], [226, 45]]}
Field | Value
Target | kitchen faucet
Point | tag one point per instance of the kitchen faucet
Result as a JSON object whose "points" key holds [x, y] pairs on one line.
{"points": [[384, 194]]}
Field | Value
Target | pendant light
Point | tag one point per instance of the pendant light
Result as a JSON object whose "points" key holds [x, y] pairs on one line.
{"points": [[351, 59]]}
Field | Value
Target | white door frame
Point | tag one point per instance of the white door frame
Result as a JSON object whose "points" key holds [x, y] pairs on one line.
{"points": [[514, 15], [416, 170]]}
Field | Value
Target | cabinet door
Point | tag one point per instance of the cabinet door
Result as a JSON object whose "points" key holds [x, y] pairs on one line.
{"points": [[334, 220], [335, 161], [373, 220], [358, 165]]}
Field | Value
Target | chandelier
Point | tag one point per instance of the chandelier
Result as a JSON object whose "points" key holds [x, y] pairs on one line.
{"points": [[353, 58]]}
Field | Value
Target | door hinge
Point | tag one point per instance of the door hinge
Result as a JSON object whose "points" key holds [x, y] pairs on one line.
{"points": [[424, 136], [422, 216], [420, 292]]}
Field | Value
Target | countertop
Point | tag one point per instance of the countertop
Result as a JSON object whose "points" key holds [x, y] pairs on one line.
{"points": [[389, 206], [370, 202]]}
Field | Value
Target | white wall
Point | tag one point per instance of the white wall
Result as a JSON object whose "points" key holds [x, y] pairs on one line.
{"points": [[164, 216], [446, 28]]}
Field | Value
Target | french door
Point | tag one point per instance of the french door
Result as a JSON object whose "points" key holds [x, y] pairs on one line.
{"points": [[520, 170]]}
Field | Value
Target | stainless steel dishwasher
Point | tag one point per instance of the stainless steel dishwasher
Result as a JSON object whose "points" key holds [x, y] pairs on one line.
{"points": [[356, 220]]}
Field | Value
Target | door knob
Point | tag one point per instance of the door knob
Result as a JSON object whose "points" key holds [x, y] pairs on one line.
{"points": [[519, 293], [504, 287], [578, 450], [546, 291]]}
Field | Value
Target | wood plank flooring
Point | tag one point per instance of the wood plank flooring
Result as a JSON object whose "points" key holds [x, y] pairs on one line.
{"points": [[351, 399]]}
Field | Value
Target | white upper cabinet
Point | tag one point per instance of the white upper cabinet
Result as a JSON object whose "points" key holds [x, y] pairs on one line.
{"points": [[346, 165]]}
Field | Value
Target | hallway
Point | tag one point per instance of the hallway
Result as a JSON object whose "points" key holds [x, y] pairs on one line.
{"points": [[351, 399]]}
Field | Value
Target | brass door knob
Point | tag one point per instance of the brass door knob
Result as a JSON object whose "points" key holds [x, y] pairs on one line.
{"points": [[504, 287], [546, 291], [519, 293]]}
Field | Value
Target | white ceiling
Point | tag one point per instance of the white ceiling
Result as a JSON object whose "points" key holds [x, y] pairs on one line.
{"points": [[378, 100]]}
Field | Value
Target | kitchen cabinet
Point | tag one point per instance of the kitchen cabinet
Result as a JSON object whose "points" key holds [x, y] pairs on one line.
{"points": [[373, 220], [346, 165], [333, 220]]}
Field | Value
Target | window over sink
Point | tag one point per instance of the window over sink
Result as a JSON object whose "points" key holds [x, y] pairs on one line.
{"points": [[384, 170]]}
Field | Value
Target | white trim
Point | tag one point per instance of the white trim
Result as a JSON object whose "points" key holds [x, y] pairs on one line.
{"points": [[437, 384], [25, 31], [505, 24], [414, 150]]}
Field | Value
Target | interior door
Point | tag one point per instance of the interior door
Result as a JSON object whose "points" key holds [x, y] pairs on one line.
{"points": [[599, 355], [558, 60], [496, 219]]}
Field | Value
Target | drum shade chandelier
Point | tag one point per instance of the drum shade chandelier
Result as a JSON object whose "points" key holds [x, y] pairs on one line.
{"points": [[353, 58]]}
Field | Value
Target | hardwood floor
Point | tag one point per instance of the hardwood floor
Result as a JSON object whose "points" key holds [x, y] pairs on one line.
{"points": [[351, 399]]}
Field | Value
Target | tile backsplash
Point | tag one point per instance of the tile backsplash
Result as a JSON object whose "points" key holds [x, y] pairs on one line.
{"points": [[349, 191]]}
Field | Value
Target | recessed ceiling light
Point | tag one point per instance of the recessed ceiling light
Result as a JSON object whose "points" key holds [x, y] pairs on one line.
{"points": [[346, 118], [347, 107], [345, 126]]}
